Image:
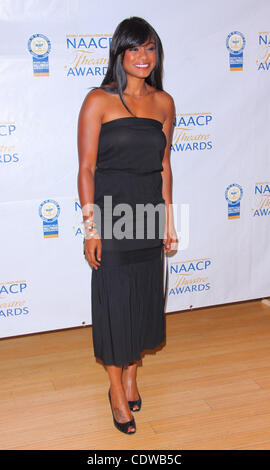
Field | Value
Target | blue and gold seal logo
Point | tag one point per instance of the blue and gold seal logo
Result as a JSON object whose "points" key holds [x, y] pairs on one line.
{"points": [[39, 46], [49, 211], [233, 195], [235, 44]]}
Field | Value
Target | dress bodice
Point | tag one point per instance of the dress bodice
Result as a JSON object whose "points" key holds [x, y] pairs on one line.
{"points": [[131, 144]]}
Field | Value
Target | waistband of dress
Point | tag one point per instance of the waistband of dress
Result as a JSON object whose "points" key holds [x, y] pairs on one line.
{"points": [[126, 172], [117, 258]]}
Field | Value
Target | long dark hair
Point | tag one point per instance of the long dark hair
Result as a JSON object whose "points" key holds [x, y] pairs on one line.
{"points": [[131, 32]]}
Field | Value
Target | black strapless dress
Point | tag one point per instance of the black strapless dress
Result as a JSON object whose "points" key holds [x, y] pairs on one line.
{"points": [[127, 290]]}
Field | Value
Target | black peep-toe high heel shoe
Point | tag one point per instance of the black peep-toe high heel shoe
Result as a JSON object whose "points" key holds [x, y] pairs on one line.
{"points": [[138, 403], [123, 427]]}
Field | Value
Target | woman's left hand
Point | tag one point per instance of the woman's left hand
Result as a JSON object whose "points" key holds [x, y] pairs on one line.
{"points": [[170, 239]]}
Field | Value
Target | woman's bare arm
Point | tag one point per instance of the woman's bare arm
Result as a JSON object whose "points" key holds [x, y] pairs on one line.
{"points": [[167, 180], [89, 124]]}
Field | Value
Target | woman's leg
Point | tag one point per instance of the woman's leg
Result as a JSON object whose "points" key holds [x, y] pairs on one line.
{"points": [[129, 381], [120, 406]]}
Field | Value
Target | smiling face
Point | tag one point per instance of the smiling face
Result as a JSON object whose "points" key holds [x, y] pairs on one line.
{"points": [[139, 61]]}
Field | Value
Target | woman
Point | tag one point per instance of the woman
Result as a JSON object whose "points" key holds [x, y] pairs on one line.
{"points": [[124, 135]]}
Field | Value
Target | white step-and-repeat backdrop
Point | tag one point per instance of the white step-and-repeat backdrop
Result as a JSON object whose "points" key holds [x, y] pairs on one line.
{"points": [[217, 68]]}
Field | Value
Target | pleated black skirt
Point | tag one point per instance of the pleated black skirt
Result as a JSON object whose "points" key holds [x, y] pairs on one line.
{"points": [[127, 296]]}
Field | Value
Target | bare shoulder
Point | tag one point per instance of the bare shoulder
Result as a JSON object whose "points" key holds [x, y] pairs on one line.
{"points": [[166, 102], [95, 103], [95, 97]]}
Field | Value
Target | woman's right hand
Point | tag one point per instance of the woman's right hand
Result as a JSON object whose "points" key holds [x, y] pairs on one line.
{"points": [[92, 251]]}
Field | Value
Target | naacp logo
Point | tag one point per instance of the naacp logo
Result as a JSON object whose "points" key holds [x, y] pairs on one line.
{"points": [[235, 44], [233, 195], [77, 228], [8, 153], [190, 277], [39, 46], [261, 200], [263, 62], [191, 132], [12, 301], [49, 211], [87, 55]]}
